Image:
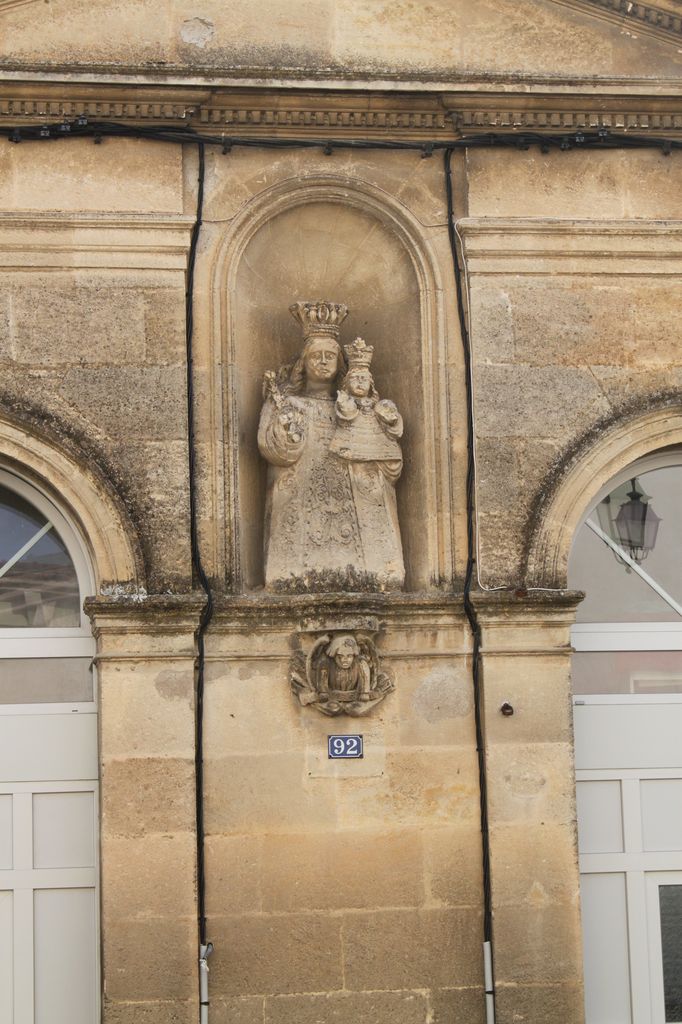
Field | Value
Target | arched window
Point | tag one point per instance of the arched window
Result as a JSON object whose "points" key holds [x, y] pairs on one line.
{"points": [[49, 947], [627, 557], [44, 578], [627, 683]]}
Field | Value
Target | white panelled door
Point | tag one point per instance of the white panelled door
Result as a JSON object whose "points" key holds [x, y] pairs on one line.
{"points": [[49, 837], [629, 790], [627, 685]]}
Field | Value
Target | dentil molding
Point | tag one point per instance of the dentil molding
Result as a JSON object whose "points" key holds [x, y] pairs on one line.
{"points": [[339, 114]]}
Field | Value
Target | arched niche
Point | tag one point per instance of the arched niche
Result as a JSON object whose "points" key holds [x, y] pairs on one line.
{"points": [[81, 490], [336, 240], [582, 479]]}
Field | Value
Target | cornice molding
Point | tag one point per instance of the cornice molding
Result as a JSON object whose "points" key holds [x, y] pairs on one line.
{"points": [[6, 5], [636, 18], [131, 242], [521, 245], [287, 113], [637, 119]]}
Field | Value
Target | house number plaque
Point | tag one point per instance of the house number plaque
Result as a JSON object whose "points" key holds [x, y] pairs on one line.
{"points": [[344, 746]]}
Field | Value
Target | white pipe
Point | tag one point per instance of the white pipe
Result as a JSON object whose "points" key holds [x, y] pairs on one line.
{"points": [[204, 954], [488, 980], [635, 565]]}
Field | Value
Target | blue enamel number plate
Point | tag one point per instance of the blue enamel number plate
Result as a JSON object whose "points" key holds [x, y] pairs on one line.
{"points": [[344, 746]]}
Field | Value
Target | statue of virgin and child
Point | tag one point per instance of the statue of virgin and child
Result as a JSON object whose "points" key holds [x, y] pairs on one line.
{"points": [[331, 520]]}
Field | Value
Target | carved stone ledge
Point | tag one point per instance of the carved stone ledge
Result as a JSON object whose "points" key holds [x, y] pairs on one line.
{"points": [[333, 113], [541, 120], [637, 18]]}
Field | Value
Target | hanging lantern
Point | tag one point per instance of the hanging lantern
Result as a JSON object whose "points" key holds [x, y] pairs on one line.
{"points": [[636, 524]]}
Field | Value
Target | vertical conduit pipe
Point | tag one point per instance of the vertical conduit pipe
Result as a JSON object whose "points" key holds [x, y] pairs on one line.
{"points": [[470, 609], [205, 947]]}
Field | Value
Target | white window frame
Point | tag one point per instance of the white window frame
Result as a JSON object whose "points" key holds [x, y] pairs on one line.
{"points": [[634, 635], [644, 942], [52, 642]]}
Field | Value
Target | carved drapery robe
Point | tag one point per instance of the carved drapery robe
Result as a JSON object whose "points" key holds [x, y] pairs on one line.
{"points": [[329, 523]]}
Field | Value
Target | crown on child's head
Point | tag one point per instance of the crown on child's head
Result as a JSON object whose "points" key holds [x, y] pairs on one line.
{"points": [[358, 353]]}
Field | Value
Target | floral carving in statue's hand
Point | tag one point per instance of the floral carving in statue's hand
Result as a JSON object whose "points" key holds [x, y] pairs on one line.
{"points": [[293, 421]]}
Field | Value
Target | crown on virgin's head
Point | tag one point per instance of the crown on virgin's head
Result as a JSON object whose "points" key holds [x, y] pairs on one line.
{"points": [[319, 317], [358, 353]]}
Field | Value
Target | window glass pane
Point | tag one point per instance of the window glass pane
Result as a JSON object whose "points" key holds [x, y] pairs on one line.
{"points": [[670, 897], [49, 680], [40, 588], [627, 672], [614, 591]]}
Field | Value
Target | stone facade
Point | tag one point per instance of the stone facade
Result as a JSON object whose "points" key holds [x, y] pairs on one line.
{"points": [[337, 890]]}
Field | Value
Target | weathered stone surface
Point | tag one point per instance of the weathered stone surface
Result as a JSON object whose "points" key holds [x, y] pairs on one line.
{"points": [[265, 793], [80, 179], [502, 38], [538, 689], [458, 1005], [164, 325], [341, 1007], [538, 943], [438, 787], [235, 696], [436, 703], [139, 402], [531, 783], [175, 1012], [56, 322], [529, 1003], [144, 795], [234, 872], [150, 876], [535, 865], [618, 184], [237, 1010], [159, 472], [452, 860], [147, 710], [337, 870], [167, 971], [412, 949], [549, 402], [276, 954]]}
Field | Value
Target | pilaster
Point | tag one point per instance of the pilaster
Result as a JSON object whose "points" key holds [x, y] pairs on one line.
{"points": [[531, 790], [145, 667]]}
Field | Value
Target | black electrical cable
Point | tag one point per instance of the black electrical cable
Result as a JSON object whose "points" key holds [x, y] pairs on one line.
{"points": [[469, 607], [207, 610], [82, 127]]}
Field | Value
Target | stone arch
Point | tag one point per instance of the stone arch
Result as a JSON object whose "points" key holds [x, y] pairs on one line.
{"points": [[428, 546], [580, 480], [84, 495]]}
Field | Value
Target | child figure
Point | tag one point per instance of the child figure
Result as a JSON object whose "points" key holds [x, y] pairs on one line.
{"points": [[346, 676], [368, 428]]}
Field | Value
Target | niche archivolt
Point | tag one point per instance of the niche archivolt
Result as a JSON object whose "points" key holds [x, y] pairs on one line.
{"points": [[338, 241]]}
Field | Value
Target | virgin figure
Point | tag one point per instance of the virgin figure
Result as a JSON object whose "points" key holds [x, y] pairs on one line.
{"points": [[325, 528]]}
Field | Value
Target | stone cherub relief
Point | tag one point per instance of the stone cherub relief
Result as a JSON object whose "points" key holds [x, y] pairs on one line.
{"points": [[340, 675], [331, 520]]}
